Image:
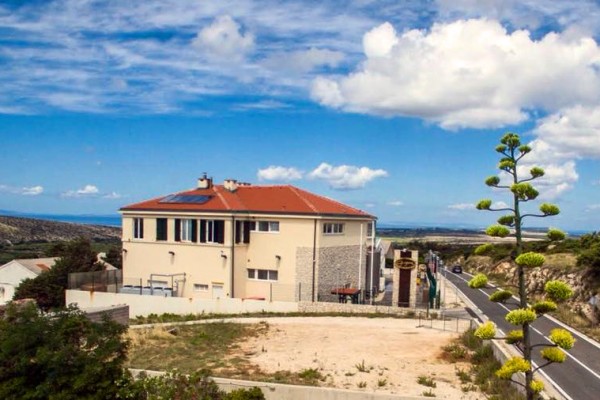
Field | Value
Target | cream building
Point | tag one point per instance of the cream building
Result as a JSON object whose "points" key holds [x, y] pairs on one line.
{"points": [[245, 241]]}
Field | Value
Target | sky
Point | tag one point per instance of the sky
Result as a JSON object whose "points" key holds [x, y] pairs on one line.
{"points": [[393, 107]]}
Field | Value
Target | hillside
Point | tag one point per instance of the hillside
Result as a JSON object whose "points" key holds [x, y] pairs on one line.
{"points": [[20, 230]]}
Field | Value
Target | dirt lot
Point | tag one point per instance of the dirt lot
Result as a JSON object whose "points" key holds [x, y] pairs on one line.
{"points": [[393, 354]]}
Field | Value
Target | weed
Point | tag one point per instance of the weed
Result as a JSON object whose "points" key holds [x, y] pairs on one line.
{"points": [[382, 382], [310, 375], [455, 352], [428, 393], [350, 373], [426, 381], [468, 388], [362, 384], [463, 375], [361, 367]]}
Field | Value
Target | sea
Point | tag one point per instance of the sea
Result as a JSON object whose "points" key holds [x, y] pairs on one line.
{"points": [[86, 219]]}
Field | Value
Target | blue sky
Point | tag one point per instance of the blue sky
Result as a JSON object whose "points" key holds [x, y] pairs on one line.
{"points": [[394, 107]]}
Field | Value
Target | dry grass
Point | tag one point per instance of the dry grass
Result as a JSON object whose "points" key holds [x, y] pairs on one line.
{"points": [[564, 261]]}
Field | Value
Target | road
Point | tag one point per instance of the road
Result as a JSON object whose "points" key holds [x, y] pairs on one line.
{"points": [[578, 378]]}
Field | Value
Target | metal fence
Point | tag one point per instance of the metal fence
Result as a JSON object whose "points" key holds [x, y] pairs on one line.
{"points": [[98, 281], [444, 323]]}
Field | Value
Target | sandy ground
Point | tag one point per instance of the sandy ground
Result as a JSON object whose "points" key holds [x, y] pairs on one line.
{"points": [[395, 351]]}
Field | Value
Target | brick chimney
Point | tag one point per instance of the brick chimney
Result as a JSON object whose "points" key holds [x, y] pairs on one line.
{"points": [[230, 184], [204, 182]]}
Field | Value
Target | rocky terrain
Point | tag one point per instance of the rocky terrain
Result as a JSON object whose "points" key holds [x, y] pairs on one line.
{"points": [[560, 266], [15, 230]]}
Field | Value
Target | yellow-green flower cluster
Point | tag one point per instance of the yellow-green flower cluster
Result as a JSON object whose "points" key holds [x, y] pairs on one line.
{"points": [[486, 331], [554, 354], [562, 338], [497, 231], [482, 249], [542, 307], [500, 296], [478, 281], [513, 337], [521, 316], [530, 259], [537, 386], [512, 366]]}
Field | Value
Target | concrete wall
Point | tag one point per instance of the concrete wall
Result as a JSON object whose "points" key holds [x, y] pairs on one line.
{"points": [[276, 391], [145, 305], [309, 307], [118, 313]]}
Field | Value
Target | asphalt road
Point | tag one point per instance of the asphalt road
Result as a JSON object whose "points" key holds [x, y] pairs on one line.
{"points": [[578, 378]]}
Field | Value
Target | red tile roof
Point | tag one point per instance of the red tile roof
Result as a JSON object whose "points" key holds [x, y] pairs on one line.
{"points": [[281, 199]]}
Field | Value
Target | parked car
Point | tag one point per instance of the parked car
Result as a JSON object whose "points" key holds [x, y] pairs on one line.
{"points": [[457, 269]]}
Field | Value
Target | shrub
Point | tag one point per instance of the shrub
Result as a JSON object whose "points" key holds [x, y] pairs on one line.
{"points": [[557, 290], [542, 307], [486, 331], [500, 296], [554, 354], [530, 259], [513, 337], [483, 249]]}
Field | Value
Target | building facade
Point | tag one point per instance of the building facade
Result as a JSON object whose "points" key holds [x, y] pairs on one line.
{"points": [[245, 241]]}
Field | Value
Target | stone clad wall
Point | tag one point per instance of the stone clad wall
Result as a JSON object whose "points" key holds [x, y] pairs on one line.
{"points": [[337, 267]]}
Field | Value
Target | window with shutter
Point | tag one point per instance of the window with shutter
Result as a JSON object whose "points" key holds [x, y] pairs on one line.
{"points": [[178, 230], [161, 228]]}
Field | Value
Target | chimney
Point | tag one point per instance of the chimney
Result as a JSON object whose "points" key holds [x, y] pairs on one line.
{"points": [[204, 182], [230, 184]]}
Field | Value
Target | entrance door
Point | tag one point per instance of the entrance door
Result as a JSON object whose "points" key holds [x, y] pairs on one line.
{"points": [[217, 290], [404, 288]]}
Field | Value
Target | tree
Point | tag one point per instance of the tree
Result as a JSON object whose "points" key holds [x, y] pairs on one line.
{"points": [[48, 289], [512, 152], [59, 356]]}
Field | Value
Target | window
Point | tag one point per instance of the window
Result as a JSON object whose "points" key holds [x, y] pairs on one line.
{"points": [[369, 229], [186, 230], [161, 228], [200, 287], [262, 274], [242, 232], [212, 231], [264, 226], [333, 228], [138, 228]]}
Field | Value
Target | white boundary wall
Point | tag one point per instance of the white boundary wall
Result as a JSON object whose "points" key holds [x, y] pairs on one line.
{"points": [[277, 391], [146, 305]]}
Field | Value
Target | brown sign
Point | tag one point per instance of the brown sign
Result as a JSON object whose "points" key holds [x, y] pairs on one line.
{"points": [[404, 263]]}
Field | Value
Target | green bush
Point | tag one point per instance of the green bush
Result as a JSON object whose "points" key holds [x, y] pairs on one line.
{"points": [[483, 249]]}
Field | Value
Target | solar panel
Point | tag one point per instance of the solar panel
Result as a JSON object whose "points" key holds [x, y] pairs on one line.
{"points": [[185, 199]]}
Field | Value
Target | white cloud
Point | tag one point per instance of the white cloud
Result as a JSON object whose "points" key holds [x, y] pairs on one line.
{"points": [[345, 177], [571, 133], [468, 73], [278, 173], [112, 196], [499, 204], [462, 206], [593, 207], [24, 191], [223, 41], [395, 203], [86, 191], [32, 191]]}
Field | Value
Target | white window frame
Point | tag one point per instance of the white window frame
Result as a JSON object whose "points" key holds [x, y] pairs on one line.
{"points": [[185, 230], [201, 287], [370, 228], [254, 273], [264, 226], [333, 228], [138, 228]]}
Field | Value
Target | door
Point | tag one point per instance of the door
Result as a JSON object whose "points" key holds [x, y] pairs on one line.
{"points": [[404, 288], [217, 290]]}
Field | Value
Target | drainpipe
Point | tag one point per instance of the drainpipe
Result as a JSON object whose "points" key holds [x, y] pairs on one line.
{"points": [[372, 258], [232, 253], [314, 259], [360, 256]]}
